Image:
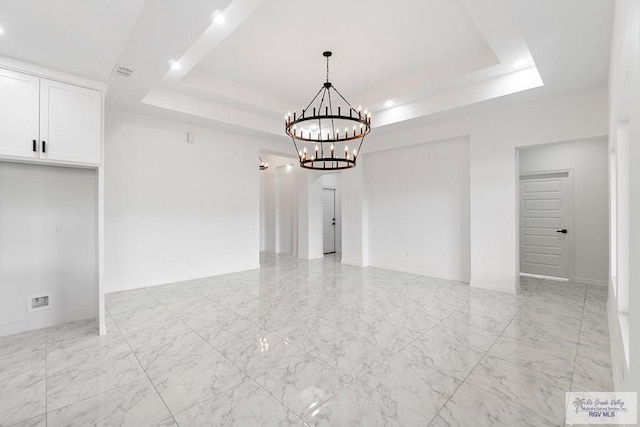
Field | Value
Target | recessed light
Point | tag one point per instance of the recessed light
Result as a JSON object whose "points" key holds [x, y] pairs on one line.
{"points": [[389, 103], [1, 30], [219, 18], [175, 65]]}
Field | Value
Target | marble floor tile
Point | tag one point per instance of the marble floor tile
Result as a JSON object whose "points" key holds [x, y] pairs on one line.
{"points": [[137, 302], [351, 355], [157, 332], [172, 351], [363, 406], [554, 357], [215, 316], [309, 333], [20, 401], [303, 383], [421, 389], [135, 404], [592, 374], [72, 332], [492, 323], [535, 325], [443, 356], [23, 366], [245, 405], [386, 335], [131, 322], [314, 342], [86, 350], [463, 335], [39, 421], [80, 382], [553, 304], [189, 383], [532, 389], [261, 354], [22, 343], [412, 319], [471, 406]]}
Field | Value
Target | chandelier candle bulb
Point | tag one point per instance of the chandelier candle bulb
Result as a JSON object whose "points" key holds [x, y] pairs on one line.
{"points": [[332, 151]]}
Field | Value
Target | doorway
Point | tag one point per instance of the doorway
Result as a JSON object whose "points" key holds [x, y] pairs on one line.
{"points": [[546, 225], [329, 220]]}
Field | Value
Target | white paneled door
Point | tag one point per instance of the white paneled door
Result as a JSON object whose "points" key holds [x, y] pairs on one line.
{"points": [[546, 215], [329, 220]]}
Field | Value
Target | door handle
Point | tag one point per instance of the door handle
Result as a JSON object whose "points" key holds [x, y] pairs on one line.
{"points": [[563, 231], [44, 146], [34, 146]]}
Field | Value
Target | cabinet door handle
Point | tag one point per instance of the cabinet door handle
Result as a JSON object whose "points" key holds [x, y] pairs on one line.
{"points": [[44, 146], [34, 146]]}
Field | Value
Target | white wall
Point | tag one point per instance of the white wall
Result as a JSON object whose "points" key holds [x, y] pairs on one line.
{"points": [[286, 209], [624, 123], [354, 214], [268, 211], [418, 200], [589, 161], [173, 210], [48, 244], [309, 215], [494, 138]]}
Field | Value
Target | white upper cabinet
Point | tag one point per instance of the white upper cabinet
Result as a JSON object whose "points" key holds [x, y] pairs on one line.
{"points": [[70, 122], [46, 121], [19, 113]]}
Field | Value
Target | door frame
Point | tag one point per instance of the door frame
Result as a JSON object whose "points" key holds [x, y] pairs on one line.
{"points": [[335, 221], [570, 221]]}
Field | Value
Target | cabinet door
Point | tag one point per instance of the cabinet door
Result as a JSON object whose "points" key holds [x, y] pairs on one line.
{"points": [[18, 114], [70, 122]]}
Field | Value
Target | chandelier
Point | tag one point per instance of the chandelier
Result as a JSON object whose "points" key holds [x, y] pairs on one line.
{"points": [[324, 128]]}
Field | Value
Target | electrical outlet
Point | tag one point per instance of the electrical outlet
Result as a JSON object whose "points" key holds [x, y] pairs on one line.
{"points": [[190, 137], [38, 302]]}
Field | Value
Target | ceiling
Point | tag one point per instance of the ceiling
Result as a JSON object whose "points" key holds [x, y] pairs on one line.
{"points": [[425, 57]]}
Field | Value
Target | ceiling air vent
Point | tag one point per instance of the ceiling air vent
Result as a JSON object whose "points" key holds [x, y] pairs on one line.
{"points": [[121, 71]]}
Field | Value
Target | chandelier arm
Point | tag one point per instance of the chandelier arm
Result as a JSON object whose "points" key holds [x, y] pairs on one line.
{"points": [[319, 114], [343, 98], [296, 146], [333, 125], [314, 98], [360, 146]]}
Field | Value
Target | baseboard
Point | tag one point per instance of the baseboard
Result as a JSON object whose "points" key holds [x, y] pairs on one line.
{"points": [[163, 282], [492, 287], [591, 281], [51, 319], [540, 276], [437, 275]]}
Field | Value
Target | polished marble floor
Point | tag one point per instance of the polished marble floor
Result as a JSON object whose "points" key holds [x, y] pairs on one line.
{"points": [[314, 343]]}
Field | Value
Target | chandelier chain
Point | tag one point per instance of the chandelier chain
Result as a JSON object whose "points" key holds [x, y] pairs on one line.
{"points": [[327, 69]]}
